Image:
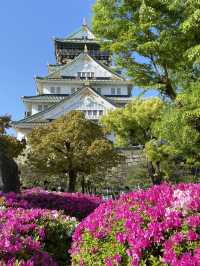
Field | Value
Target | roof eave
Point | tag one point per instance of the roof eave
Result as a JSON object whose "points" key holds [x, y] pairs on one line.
{"points": [[79, 81]]}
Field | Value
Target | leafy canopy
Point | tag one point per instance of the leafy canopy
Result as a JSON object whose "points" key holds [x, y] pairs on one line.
{"points": [[71, 145], [132, 125], [4, 123], [154, 40], [178, 132], [9, 145]]}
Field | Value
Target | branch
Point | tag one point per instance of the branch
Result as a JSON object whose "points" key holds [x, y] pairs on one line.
{"points": [[59, 150], [154, 64]]}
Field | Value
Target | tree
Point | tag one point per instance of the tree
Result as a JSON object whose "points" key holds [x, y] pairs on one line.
{"points": [[4, 123], [191, 28], [10, 148], [9, 145], [177, 134], [133, 125], [71, 145], [157, 42], [153, 40]]}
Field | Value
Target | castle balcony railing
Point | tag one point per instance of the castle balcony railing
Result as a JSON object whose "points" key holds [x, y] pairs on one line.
{"points": [[85, 78], [76, 52]]}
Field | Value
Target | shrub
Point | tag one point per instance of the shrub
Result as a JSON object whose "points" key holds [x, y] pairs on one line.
{"points": [[72, 204], [159, 226], [34, 237]]}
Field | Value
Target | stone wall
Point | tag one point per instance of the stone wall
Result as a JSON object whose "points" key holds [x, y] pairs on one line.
{"points": [[133, 157]]}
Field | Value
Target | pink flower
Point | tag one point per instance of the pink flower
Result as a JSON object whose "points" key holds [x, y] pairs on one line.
{"points": [[162, 220], [192, 236]]}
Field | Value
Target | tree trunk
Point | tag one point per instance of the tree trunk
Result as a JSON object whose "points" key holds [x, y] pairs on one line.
{"points": [[89, 187], [72, 180], [170, 91], [83, 184], [153, 173], [157, 175]]}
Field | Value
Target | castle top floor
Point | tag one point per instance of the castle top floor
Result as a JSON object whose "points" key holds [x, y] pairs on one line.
{"points": [[66, 49]]}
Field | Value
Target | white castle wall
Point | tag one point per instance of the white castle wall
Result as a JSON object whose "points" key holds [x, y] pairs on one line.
{"points": [[67, 88], [85, 64]]}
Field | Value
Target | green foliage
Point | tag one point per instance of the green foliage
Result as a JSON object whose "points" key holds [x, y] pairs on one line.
{"points": [[70, 145], [32, 178], [191, 27], [178, 133], [9, 145], [4, 123], [93, 248], [137, 175], [155, 41], [58, 237], [133, 124]]}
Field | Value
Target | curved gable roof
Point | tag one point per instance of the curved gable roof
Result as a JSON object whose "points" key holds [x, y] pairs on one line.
{"points": [[84, 55], [39, 116]]}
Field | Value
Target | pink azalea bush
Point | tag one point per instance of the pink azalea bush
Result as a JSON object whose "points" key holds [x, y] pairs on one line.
{"points": [[34, 237], [159, 226], [36, 226], [72, 204]]}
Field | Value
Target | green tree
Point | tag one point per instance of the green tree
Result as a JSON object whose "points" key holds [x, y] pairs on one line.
{"points": [[191, 28], [152, 39], [177, 134], [157, 42], [9, 145], [72, 146], [4, 123], [133, 125]]}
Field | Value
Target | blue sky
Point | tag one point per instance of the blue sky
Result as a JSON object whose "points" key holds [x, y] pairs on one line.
{"points": [[26, 46]]}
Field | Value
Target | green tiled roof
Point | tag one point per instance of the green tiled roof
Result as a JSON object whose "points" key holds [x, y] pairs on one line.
{"points": [[76, 40], [72, 36], [54, 98]]}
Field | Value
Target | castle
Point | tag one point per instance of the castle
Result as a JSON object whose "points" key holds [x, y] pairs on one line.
{"points": [[82, 79]]}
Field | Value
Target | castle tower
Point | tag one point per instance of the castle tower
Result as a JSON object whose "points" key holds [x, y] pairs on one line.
{"points": [[66, 49], [82, 79]]}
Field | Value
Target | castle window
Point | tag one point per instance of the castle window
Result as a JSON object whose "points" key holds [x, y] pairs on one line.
{"points": [[52, 89], [39, 107], [45, 106], [85, 75], [113, 91], [58, 90], [118, 91]]}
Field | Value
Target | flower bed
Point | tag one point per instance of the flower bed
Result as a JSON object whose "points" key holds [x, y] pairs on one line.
{"points": [[73, 204], [36, 226], [159, 226], [34, 237]]}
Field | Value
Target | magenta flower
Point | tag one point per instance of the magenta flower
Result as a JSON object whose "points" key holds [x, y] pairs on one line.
{"points": [[161, 224]]}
